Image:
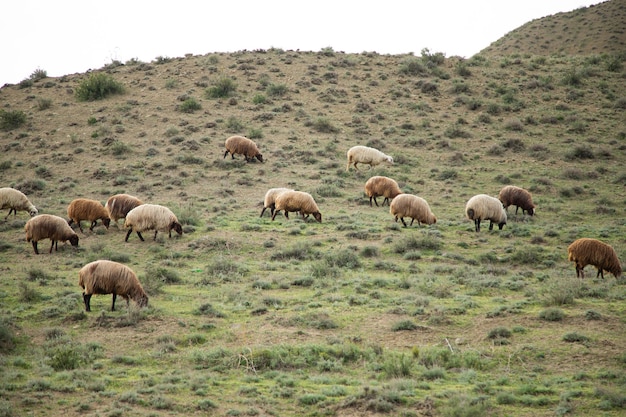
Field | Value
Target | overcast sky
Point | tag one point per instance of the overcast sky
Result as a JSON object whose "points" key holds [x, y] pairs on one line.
{"points": [[72, 36]]}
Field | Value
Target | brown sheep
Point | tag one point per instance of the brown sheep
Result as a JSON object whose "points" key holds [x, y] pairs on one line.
{"points": [[47, 226], [269, 202], [108, 277], [408, 205], [85, 209], [297, 201], [518, 197], [381, 186], [243, 146], [119, 205], [586, 251]]}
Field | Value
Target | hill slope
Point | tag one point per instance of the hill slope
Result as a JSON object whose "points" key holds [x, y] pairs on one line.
{"points": [[597, 29], [356, 315]]}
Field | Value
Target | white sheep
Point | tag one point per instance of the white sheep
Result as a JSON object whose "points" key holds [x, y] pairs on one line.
{"points": [[381, 186], [297, 201], [243, 146], [511, 195], [587, 251], [408, 205], [270, 199], [48, 226], [16, 200], [366, 155], [484, 207], [90, 210], [119, 205], [151, 217], [108, 277]]}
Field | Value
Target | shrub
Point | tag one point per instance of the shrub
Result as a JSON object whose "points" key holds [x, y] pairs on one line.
{"points": [[580, 152], [13, 119], [97, 87], [190, 105], [44, 103], [575, 338], [552, 314], [38, 74], [224, 87], [323, 125], [277, 90], [499, 332], [412, 66]]}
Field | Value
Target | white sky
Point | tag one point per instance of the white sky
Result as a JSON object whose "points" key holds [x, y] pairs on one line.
{"points": [[72, 36]]}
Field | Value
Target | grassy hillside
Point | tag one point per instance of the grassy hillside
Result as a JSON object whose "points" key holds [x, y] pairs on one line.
{"points": [[597, 29], [353, 316]]}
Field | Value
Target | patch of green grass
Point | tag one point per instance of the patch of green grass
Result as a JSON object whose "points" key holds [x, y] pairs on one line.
{"points": [[98, 86], [11, 119]]}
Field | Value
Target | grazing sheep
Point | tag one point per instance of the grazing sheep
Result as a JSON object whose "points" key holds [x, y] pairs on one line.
{"points": [[270, 199], [108, 277], [297, 201], [85, 209], [16, 200], [586, 251], [484, 207], [408, 205], [243, 146], [151, 217], [119, 205], [366, 155], [518, 197], [47, 226], [381, 186]]}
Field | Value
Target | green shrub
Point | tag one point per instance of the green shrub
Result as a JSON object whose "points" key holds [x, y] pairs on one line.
{"points": [[413, 66], [552, 314], [324, 125], [12, 119], [44, 103], [97, 87], [224, 87], [277, 90], [190, 105], [575, 338]]}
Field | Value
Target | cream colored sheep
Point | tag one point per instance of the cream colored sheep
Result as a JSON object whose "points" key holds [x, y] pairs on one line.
{"points": [[16, 200], [108, 277], [270, 199], [587, 251], [484, 207], [90, 210], [366, 155], [151, 217], [243, 146], [119, 205], [518, 197], [297, 201], [381, 186], [48, 226], [408, 205]]}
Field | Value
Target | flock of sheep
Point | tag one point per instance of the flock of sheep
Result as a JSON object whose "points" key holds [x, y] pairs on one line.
{"points": [[107, 277]]}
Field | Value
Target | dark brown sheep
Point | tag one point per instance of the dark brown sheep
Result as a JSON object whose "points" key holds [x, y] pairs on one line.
{"points": [[587, 251], [243, 146], [518, 197]]}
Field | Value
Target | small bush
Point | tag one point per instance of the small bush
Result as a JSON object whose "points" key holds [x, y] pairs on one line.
{"points": [[499, 332], [404, 325], [13, 119], [580, 152], [575, 338], [277, 90], [552, 314], [190, 105], [44, 103], [97, 87], [224, 87]]}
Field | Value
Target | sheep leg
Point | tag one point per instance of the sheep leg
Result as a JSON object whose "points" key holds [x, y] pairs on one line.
{"points": [[113, 303], [386, 200], [156, 231], [286, 214], [517, 208], [477, 224], [225, 153], [490, 224], [128, 234], [374, 201], [140, 237], [52, 246], [93, 224], [35, 247], [263, 211], [600, 273], [274, 214], [86, 299], [579, 272], [412, 219], [403, 222]]}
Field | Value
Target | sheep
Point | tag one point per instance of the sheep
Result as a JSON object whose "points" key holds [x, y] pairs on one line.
{"points": [[108, 277], [48, 226], [151, 217], [587, 251], [297, 201], [366, 155], [16, 200], [85, 209], [243, 146], [484, 207], [270, 199], [518, 197], [381, 186], [119, 205], [408, 205]]}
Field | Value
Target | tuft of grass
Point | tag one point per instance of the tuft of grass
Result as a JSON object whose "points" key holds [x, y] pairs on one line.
{"points": [[97, 87], [11, 119], [552, 314], [190, 105], [223, 87]]}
